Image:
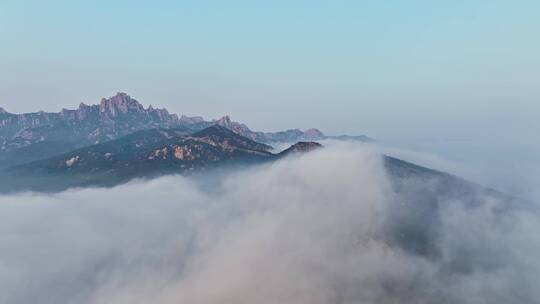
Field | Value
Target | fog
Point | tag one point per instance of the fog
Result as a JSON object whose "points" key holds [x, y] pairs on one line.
{"points": [[307, 229]]}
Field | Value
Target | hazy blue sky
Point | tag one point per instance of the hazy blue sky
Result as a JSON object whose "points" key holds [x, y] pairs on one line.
{"points": [[422, 69]]}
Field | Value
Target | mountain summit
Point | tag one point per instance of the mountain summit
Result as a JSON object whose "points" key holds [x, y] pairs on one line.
{"points": [[121, 103]]}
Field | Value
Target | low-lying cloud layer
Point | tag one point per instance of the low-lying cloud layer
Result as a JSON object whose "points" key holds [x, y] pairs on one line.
{"points": [[310, 229]]}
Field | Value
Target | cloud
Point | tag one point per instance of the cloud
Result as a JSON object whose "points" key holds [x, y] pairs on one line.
{"points": [[320, 228]]}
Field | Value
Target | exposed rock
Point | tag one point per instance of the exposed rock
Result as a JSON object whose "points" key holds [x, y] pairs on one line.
{"points": [[234, 126], [70, 162], [183, 153]]}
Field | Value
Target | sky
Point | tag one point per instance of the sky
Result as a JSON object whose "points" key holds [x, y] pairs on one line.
{"points": [[402, 71]]}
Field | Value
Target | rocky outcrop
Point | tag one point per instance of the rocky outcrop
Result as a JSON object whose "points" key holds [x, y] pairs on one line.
{"points": [[238, 128]]}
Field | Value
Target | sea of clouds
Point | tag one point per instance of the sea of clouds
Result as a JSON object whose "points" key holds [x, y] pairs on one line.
{"points": [[307, 229]]}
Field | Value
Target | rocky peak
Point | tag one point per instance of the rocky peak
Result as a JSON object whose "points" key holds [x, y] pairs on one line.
{"points": [[120, 103], [236, 127], [224, 121], [2, 111]]}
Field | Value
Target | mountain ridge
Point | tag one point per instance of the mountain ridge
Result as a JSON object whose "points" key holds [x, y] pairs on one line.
{"points": [[112, 118], [145, 153]]}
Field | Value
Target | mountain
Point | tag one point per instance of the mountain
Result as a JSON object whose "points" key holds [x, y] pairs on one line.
{"points": [[181, 150], [118, 140], [300, 147], [291, 135], [89, 124], [287, 136], [40, 135], [145, 153], [419, 192], [218, 133]]}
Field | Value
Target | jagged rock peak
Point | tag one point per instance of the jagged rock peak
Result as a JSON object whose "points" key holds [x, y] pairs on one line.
{"points": [[225, 120], [237, 127], [2, 110], [120, 103]]}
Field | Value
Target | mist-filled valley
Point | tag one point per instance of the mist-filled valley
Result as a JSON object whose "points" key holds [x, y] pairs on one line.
{"points": [[333, 225]]}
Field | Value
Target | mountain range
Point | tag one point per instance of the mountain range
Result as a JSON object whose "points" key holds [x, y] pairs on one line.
{"points": [[420, 192], [143, 154], [119, 140], [39, 135]]}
